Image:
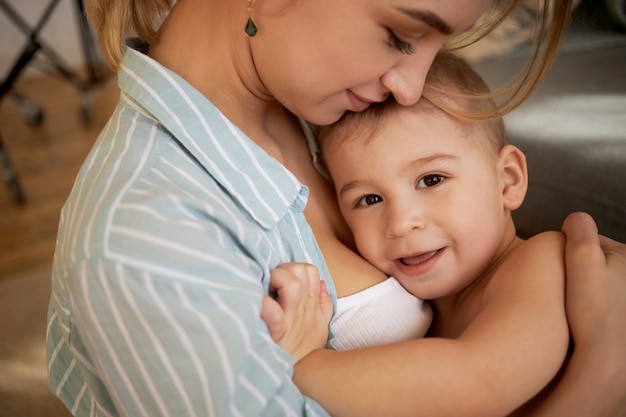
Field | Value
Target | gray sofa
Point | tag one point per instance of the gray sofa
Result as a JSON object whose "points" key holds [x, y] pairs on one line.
{"points": [[573, 132]]}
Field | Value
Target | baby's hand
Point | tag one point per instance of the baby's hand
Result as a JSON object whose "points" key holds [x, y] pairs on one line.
{"points": [[298, 317]]}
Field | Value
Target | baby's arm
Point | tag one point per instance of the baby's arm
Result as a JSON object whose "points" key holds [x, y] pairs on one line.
{"points": [[297, 317], [510, 351]]}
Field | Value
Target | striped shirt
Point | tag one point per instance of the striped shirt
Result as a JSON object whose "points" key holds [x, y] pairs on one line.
{"points": [[164, 252]]}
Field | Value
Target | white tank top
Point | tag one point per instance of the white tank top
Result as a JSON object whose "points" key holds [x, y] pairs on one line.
{"points": [[383, 313]]}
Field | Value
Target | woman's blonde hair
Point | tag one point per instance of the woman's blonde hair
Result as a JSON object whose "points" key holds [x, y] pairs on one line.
{"points": [[116, 20], [552, 20]]}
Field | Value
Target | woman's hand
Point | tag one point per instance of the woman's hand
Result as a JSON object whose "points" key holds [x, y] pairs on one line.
{"points": [[596, 311], [596, 284], [298, 317]]}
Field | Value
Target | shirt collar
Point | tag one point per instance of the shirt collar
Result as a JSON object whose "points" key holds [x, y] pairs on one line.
{"points": [[260, 184]]}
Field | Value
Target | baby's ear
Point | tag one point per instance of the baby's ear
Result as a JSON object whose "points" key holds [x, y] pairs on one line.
{"points": [[512, 166]]}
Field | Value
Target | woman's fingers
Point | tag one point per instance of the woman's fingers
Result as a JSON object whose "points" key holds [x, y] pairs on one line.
{"points": [[596, 279], [596, 306], [596, 303]]}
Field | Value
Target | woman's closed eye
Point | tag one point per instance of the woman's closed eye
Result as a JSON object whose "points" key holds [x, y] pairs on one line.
{"points": [[399, 44], [430, 181]]}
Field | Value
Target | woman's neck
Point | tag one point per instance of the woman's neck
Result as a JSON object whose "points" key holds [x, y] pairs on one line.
{"points": [[202, 43]]}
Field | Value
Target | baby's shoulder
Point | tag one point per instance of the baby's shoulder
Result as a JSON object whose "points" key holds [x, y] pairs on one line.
{"points": [[532, 259], [546, 243], [539, 256]]}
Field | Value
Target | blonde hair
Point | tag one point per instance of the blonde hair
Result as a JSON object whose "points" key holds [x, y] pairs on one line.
{"points": [[451, 87], [553, 18], [116, 20]]}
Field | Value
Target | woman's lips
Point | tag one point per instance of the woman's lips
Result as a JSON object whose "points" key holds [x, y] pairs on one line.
{"points": [[357, 103]]}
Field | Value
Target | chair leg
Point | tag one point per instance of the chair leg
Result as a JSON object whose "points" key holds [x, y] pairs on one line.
{"points": [[10, 176], [32, 112]]}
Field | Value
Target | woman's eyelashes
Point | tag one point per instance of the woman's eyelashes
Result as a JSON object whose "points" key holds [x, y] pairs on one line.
{"points": [[399, 44]]}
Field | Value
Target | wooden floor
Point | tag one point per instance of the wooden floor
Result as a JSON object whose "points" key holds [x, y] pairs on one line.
{"points": [[46, 158]]}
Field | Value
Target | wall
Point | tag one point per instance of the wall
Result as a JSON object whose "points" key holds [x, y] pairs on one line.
{"points": [[61, 33]]}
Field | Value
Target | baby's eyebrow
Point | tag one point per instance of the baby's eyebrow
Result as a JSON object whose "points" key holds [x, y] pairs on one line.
{"points": [[429, 18], [348, 186], [435, 157]]}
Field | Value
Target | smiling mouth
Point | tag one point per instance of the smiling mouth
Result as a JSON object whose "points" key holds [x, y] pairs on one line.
{"points": [[358, 103], [418, 259]]}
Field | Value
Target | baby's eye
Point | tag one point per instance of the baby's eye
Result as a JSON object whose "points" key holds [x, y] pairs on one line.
{"points": [[430, 181], [368, 200]]}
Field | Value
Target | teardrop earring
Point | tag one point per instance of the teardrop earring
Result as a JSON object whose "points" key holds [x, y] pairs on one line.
{"points": [[251, 28]]}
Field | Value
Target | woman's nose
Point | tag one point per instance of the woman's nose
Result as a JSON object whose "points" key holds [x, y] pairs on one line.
{"points": [[406, 79]]}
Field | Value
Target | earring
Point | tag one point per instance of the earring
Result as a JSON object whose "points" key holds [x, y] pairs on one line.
{"points": [[250, 29]]}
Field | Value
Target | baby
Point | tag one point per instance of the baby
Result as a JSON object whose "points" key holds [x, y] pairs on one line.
{"points": [[428, 196]]}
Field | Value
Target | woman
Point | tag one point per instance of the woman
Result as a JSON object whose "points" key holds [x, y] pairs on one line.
{"points": [[202, 183]]}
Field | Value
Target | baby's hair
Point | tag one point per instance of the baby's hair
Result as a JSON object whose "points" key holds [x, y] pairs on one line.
{"points": [[452, 87], [116, 20]]}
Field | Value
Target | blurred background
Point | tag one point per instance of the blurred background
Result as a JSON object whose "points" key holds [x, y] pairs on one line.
{"points": [[57, 94]]}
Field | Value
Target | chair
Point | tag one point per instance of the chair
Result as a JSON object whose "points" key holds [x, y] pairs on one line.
{"points": [[95, 72]]}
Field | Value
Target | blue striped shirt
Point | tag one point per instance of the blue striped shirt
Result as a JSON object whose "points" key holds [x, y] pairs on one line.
{"points": [[164, 252]]}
